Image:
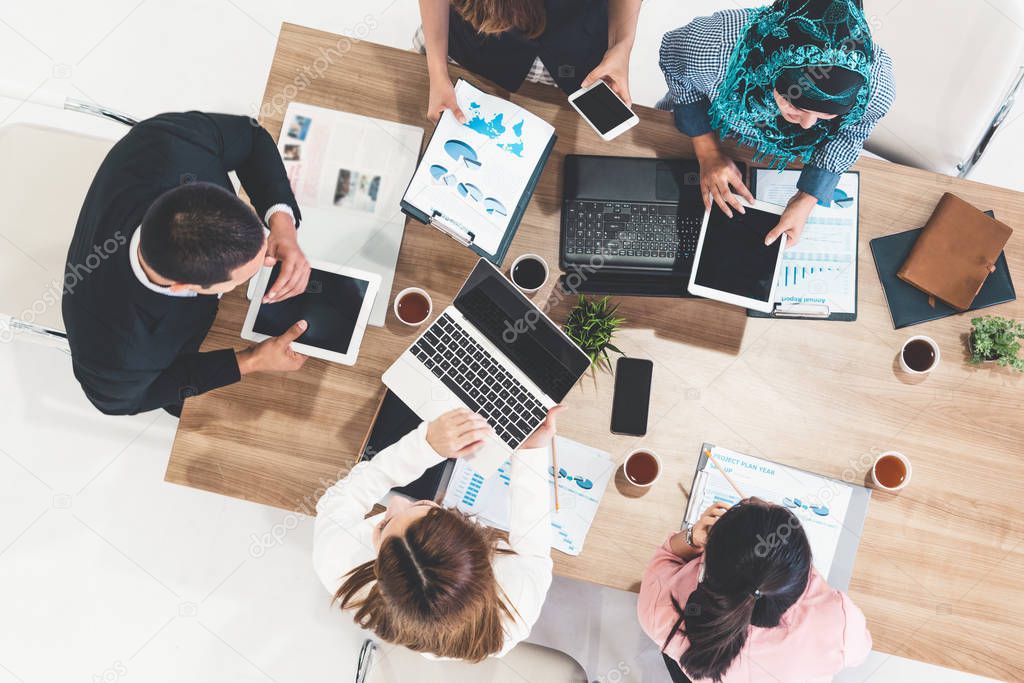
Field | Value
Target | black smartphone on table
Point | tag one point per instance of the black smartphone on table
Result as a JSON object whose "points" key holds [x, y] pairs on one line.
{"points": [[632, 397]]}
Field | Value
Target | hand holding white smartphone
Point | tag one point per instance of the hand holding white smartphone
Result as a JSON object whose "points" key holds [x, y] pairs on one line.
{"points": [[603, 110]]}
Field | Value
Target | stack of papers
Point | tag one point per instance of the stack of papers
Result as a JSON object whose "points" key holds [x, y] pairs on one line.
{"points": [[582, 478]]}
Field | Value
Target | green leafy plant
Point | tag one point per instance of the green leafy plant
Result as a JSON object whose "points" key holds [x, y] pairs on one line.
{"points": [[997, 339], [592, 324]]}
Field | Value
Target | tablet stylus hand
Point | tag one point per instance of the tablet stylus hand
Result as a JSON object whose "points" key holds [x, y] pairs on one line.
{"points": [[274, 354]]}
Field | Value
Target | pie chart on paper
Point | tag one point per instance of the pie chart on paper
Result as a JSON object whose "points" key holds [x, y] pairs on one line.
{"points": [[494, 207], [462, 151]]}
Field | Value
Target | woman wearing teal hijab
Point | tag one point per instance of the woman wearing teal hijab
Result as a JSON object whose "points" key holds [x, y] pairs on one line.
{"points": [[797, 80]]}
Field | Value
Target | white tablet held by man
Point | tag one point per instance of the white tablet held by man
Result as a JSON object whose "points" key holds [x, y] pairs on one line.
{"points": [[732, 263], [603, 110], [336, 307]]}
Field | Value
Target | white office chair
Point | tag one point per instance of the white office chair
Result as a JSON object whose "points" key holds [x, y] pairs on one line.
{"points": [[959, 65], [43, 181], [384, 663]]}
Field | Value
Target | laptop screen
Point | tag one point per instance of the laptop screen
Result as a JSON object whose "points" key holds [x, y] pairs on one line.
{"points": [[517, 327]]}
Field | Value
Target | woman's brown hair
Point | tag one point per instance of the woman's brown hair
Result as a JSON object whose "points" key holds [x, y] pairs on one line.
{"points": [[491, 17], [432, 589]]}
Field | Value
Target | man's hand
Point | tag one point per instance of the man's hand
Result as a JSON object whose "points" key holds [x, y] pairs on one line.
{"points": [[793, 219], [273, 354], [546, 432], [613, 70], [719, 176], [283, 246], [457, 433], [442, 96]]}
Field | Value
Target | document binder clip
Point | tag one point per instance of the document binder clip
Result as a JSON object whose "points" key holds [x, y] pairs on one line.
{"points": [[803, 311], [456, 232]]}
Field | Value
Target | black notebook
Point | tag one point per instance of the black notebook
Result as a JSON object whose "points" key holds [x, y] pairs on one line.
{"points": [[908, 305], [394, 420]]}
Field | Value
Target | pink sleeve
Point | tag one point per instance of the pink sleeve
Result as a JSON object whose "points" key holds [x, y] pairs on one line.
{"points": [[856, 637], [665, 572]]}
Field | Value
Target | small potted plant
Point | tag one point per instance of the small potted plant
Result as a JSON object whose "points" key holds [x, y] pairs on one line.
{"points": [[997, 339], [592, 324]]}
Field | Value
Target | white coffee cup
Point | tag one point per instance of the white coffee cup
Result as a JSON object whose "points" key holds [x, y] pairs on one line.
{"points": [[935, 347], [634, 453], [535, 257], [414, 290], [906, 464]]}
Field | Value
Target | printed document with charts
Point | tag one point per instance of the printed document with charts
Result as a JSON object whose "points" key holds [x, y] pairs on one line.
{"points": [[475, 179], [819, 503], [348, 173], [583, 475], [821, 269]]}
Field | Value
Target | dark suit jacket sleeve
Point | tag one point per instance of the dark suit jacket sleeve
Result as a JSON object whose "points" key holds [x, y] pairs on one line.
{"points": [[244, 146], [125, 392]]}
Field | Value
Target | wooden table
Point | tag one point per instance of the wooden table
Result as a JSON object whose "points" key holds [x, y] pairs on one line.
{"points": [[940, 565]]}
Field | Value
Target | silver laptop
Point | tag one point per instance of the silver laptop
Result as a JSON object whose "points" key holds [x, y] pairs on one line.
{"points": [[494, 352]]}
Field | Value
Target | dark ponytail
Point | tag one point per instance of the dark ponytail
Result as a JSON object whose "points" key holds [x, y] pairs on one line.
{"points": [[756, 566]]}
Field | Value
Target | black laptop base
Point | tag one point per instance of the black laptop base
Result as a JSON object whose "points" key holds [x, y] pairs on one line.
{"points": [[625, 284]]}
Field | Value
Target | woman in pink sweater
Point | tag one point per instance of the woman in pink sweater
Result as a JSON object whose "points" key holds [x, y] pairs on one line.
{"points": [[736, 598]]}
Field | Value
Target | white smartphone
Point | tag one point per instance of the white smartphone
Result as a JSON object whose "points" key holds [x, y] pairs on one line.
{"points": [[603, 110]]}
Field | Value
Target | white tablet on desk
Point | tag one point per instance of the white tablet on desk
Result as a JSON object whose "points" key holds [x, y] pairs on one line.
{"points": [[336, 307], [732, 263]]}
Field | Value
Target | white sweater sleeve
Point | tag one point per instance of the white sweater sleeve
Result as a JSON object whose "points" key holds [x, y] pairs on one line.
{"points": [[342, 537], [526, 576]]}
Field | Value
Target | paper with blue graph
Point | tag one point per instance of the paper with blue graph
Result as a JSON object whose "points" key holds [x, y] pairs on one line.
{"points": [[583, 476], [820, 503], [821, 269], [474, 175]]}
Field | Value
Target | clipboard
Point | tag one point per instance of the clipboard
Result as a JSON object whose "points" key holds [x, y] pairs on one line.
{"points": [[841, 571], [465, 235], [807, 311]]}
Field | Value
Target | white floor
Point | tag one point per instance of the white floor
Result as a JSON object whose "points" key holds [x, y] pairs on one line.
{"points": [[106, 572]]}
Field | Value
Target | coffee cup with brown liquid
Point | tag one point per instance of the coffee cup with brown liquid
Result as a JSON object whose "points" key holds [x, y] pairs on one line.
{"points": [[413, 306], [891, 471], [919, 355], [642, 468]]}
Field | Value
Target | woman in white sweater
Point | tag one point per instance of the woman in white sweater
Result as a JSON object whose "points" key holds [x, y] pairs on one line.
{"points": [[428, 577]]}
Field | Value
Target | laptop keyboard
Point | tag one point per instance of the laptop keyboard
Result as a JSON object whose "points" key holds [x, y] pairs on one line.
{"points": [[479, 380], [629, 233]]}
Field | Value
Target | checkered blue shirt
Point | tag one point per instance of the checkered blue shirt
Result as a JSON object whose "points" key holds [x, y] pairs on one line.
{"points": [[694, 59]]}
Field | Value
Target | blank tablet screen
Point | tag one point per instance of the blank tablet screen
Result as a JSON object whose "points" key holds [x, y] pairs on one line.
{"points": [[734, 258], [330, 305]]}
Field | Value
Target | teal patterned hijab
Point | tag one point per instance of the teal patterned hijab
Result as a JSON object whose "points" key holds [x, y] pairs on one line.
{"points": [[818, 54]]}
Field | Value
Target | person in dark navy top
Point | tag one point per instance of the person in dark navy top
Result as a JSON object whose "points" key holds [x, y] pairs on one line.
{"points": [[568, 43], [161, 236]]}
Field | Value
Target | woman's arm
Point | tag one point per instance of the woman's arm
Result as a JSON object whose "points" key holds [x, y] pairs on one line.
{"points": [[434, 14], [339, 540], [526, 576], [614, 67]]}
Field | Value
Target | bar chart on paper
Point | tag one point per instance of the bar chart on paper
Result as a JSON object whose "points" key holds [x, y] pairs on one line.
{"points": [[583, 475], [821, 267]]}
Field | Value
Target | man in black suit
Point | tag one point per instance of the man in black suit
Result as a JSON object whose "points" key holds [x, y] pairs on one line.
{"points": [[161, 236]]}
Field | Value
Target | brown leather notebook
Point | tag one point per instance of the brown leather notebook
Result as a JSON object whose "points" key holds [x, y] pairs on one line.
{"points": [[956, 251]]}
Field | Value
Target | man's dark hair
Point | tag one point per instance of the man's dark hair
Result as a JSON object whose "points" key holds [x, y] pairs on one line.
{"points": [[198, 233]]}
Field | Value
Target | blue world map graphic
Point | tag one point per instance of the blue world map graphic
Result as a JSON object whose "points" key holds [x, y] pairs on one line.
{"points": [[495, 129]]}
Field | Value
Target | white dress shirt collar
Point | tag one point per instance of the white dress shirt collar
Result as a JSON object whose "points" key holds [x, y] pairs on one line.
{"points": [[140, 274]]}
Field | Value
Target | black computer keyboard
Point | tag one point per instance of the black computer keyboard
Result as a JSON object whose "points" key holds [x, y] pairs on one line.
{"points": [[479, 380], [628, 233]]}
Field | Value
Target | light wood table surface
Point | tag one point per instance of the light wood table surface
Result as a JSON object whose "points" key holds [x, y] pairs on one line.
{"points": [[939, 569]]}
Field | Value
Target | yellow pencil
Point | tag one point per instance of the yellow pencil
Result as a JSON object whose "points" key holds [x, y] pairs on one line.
{"points": [[554, 470], [725, 474]]}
